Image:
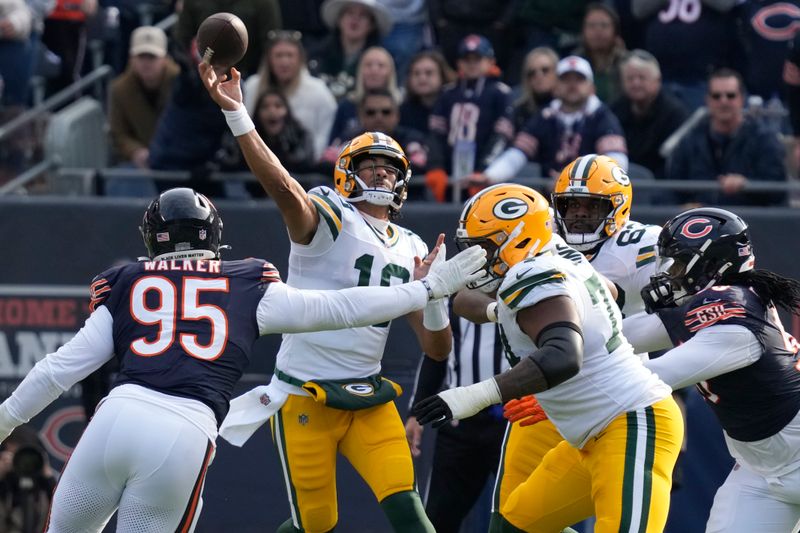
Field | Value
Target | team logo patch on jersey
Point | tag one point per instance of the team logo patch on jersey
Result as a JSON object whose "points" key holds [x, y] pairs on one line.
{"points": [[302, 419], [509, 208], [710, 314], [694, 228], [202, 235], [264, 399], [359, 389]]}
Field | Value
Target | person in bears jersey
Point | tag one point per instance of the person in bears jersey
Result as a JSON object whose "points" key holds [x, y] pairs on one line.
{"points": [[182, 324], [562, 333], [339, 238], [720, 313]]}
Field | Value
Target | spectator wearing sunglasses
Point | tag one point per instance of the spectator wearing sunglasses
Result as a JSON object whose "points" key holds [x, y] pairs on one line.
{"points": [[728, 147], [378, 110], [538, 84], [376, 70]]}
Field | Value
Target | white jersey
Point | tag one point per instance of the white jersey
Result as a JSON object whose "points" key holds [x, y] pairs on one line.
{"points": [[612, 379], [347, 250], [629, 259]]}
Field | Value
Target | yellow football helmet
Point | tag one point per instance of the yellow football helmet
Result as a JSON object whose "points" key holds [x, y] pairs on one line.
{"points": [[354, 189], [512, 222], [601, 180]]}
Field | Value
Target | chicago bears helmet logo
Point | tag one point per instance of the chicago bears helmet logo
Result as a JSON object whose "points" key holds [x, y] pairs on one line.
{"points": [[360, 389], [690, 233], [509, 208]]}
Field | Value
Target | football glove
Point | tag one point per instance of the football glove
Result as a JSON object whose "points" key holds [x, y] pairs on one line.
{"points": [[457, 403], [450, 276], [525, 410]]}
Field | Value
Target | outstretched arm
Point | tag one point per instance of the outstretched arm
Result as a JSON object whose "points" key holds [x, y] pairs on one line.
{"points": [[298, 212], [284, 309], [87, 351]]}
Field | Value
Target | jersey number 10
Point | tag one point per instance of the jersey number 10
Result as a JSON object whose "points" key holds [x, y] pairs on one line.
{"points": [[165, 315]]}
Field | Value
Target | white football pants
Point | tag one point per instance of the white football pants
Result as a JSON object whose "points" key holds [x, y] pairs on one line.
{"points": [[140, 458]]}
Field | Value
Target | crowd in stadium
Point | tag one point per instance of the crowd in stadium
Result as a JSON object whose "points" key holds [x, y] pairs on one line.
{"points": [[476, 92]]}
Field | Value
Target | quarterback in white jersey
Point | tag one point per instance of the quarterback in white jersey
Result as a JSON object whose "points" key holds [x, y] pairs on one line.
{"points": [[327, 392], [562, 333]]}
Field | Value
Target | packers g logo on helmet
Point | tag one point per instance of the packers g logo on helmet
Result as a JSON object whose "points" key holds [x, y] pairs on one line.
{"points": [[512, 222], [510, 208], [596, 178], [354, 189]]}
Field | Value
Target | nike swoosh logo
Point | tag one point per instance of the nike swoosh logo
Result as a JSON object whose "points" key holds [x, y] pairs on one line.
{"points": [[521, 274]]}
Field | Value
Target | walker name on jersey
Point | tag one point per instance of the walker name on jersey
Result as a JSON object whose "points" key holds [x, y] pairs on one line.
{"points": [[185, 265]]}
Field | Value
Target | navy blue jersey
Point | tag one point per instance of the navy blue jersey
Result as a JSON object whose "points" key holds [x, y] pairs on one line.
{"points": [[757, 401], [476, 111], [690, 39], [549, 140], [768, 27], [184, 328]]}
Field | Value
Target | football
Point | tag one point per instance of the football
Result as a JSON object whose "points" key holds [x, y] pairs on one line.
{"points": [[222, 40]]}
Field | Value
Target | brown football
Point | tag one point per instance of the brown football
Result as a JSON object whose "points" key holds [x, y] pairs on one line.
{"points": [[222, 40]]}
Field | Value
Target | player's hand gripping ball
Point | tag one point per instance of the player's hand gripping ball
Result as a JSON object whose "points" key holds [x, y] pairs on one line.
{"points": [[222, 40]]}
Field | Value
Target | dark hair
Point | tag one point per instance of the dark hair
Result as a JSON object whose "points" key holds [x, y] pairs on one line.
{"points": [[770, 287], [385, 93], [260, 103], [608, 10], [726, 72], [447, 74]]}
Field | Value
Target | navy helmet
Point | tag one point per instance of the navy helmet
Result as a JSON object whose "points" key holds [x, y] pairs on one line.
{"points": [[181, 220]]}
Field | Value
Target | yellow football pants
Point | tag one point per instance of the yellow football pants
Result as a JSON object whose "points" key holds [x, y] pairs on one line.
{"points": [[622, 476], [308, 435]]}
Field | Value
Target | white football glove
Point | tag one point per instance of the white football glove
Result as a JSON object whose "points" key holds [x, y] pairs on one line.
{"points": [[450, 276]]}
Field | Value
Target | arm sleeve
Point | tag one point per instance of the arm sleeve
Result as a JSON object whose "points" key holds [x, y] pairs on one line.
{"points": [[646, 333], [714, 351], [284, 309], [87, 351], [430, 377], [506, 165]]}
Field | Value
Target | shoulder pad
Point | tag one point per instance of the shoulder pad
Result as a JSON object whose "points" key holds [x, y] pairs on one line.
{"points": [[715, 305], [100, 288], [524, 277], [253, 268], [329, 205]]}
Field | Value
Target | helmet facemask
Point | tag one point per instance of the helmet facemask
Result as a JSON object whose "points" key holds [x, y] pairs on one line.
{"points": [[596, 229], [495, 268], [361, 177]]}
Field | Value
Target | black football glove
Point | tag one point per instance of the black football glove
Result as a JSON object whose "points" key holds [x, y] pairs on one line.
{"points": [[432, 409]]}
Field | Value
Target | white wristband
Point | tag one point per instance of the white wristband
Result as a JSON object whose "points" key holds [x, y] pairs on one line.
{"points": [[467, 401], [491, 312], [239, 121], [435, 316]]}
